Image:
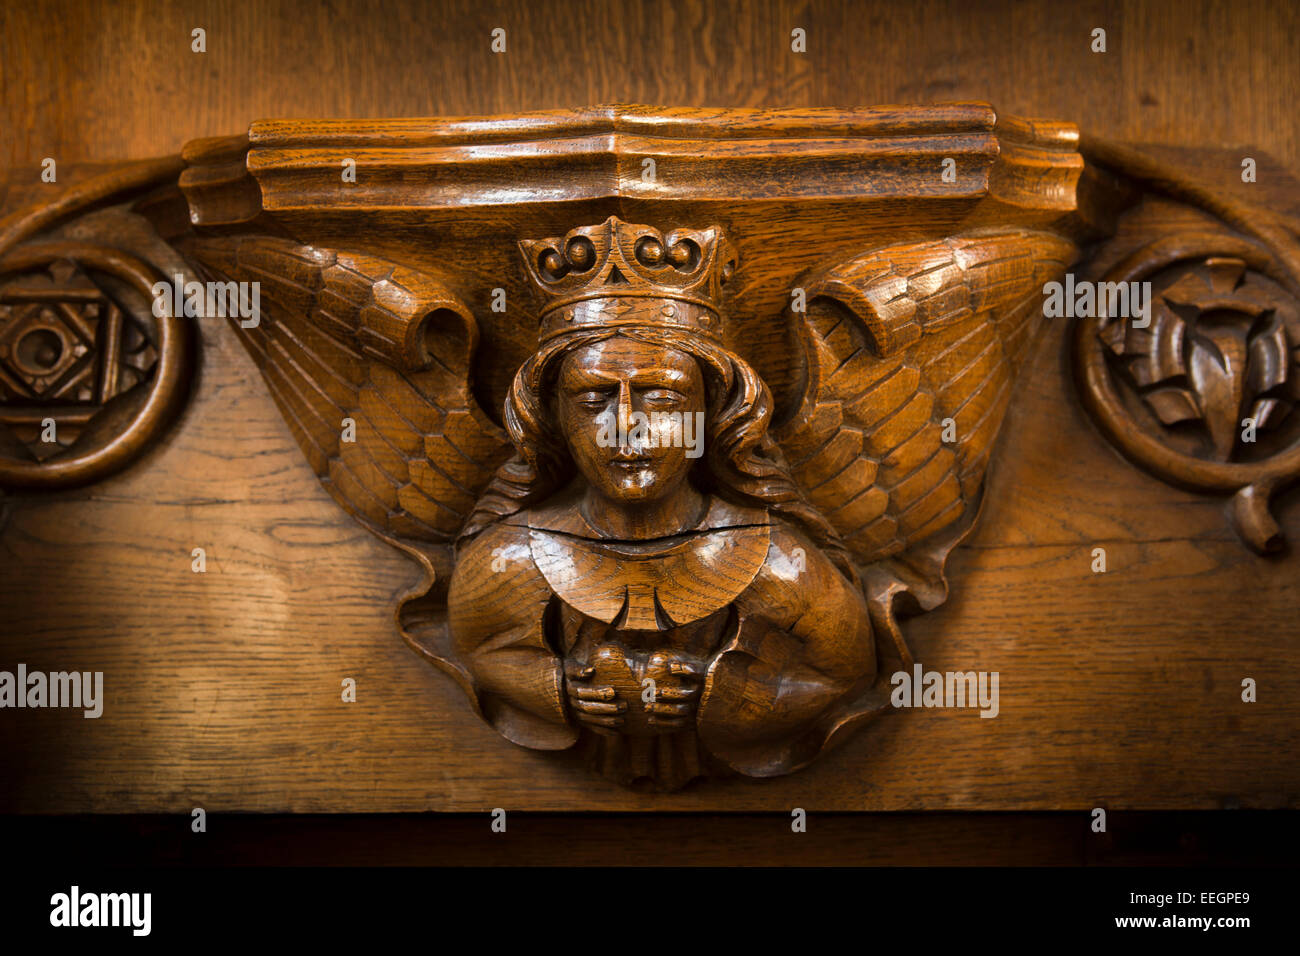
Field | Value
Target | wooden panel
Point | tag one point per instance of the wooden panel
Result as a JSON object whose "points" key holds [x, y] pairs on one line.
{"points": [[1245, 838], [114, 80], [223, 688]]}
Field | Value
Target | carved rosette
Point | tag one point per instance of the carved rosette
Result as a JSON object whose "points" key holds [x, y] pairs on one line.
{"points": [[1202, 392], [89, 377]]}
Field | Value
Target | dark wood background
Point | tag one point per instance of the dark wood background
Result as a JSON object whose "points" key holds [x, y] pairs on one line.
{"points": [[117, 80], [1118, 690]]}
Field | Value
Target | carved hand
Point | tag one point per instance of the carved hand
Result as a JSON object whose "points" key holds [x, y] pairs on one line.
{"points": [[595, 706], [676, 691], [600, 693]]}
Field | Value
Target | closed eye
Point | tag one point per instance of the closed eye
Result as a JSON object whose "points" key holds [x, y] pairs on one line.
{"points": [[593, 399]]}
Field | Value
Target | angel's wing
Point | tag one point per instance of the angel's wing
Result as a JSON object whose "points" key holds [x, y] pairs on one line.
{"points": [[370, 364], [910, 352]]}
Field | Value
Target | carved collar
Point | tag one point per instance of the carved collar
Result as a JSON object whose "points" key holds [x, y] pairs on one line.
{"points": [[655, 584]]}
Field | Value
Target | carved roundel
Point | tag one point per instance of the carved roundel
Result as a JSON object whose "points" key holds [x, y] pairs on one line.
{"points": [[88, 376], [1202, 391]]}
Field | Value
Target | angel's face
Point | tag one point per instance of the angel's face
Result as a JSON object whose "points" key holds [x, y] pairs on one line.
{"points": [[632, 415]]}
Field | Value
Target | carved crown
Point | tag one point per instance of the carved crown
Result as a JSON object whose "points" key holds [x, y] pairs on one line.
{"points": [[620, 274]]}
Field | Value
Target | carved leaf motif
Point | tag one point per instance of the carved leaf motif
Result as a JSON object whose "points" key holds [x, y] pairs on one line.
{"points": [[1215, 352], [1173, 404], [1217, 374]]}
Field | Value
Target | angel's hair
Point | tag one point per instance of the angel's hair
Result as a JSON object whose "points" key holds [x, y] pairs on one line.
{"points": [[740, 464]]}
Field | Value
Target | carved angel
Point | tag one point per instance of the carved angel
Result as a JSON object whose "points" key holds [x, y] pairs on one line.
{"points": [[680, 609], [603, 573]]}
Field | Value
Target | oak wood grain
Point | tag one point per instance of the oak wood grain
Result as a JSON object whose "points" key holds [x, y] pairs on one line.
{"points": [[1119, 689], [112, 80], [223, 688]]}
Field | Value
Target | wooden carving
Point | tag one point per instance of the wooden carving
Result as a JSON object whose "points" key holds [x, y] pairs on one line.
{"points": [[1201, 391], [88, 375], [692, 594], [680, 411]]}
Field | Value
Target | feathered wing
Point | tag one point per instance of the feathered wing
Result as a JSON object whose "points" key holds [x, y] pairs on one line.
{"points": [[353, 337], [370, 364], [910, 352]]}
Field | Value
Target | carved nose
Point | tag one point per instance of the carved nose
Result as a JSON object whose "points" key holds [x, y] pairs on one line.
{"points": [[627, 448]]}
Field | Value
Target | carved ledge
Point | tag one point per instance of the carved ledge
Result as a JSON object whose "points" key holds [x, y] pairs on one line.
{"points": [[459, 319]]}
